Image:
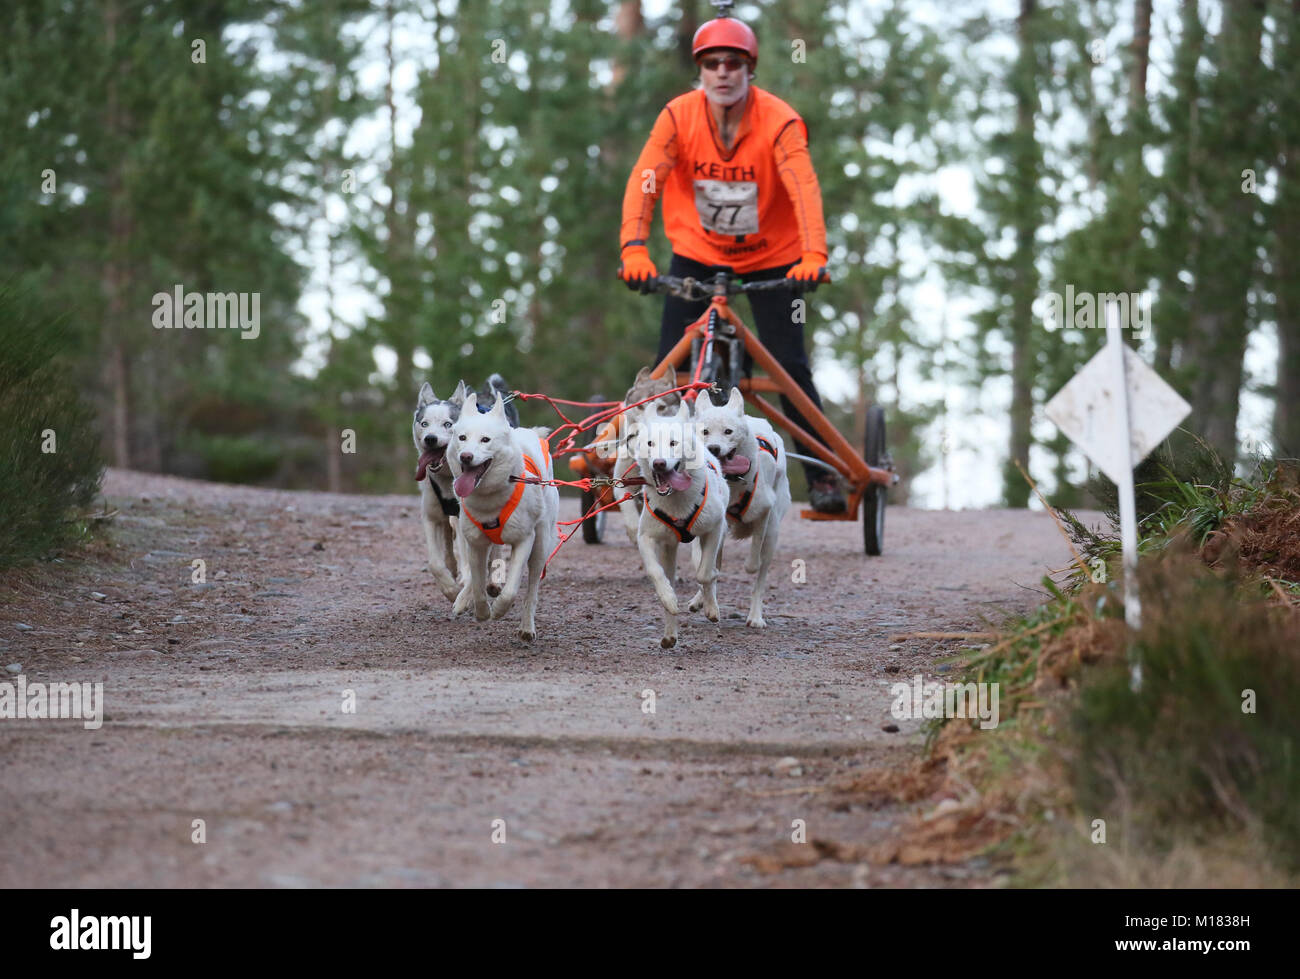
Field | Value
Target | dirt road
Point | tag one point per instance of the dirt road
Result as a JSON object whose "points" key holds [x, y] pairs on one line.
{"points": [[225, 702]]}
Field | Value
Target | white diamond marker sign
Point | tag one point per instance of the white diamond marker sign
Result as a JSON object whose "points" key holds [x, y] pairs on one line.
{"points": [[1117, 409], [1088, 410]]}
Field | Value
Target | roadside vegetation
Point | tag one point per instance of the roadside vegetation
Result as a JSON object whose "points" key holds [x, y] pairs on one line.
{"points": [[50, 466], [1193, 779]]}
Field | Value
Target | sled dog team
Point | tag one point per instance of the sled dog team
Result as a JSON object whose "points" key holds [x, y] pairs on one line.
{"points": [[707, 469]]}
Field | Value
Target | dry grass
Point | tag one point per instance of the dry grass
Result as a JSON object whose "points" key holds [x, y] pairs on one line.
{"points": [[1265, 541], [1193, 792]]}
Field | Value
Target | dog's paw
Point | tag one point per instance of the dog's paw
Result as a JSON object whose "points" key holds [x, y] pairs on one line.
{"points": [[493, 591], [751, 567], [697, 602], [527, 635], [500, 608], [463, 602], [482, 612], [712, 614], [668, 642], [756, 621]]}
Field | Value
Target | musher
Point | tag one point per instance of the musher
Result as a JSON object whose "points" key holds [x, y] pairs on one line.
{"points": [[740, 194]]}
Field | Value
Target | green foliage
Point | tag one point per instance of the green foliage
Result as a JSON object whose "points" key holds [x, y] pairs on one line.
{"points": [[1178, 759], [166, 172], [237, 458], [1183, 750], [1184, 487], [40, 492], [483, 224]]}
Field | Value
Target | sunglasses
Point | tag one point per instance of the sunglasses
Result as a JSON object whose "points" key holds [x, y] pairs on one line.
{"points": [[733, 63]]}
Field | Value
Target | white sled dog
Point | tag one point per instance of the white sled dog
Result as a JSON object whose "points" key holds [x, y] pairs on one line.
{"points": [[485, 453], [439, 509], [665, 406], [752, 458], [685, 498]]}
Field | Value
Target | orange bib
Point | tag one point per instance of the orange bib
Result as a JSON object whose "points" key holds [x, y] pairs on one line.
{"points": [[492, 529]]}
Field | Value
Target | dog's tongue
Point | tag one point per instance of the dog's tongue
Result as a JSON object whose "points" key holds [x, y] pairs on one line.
{"points": [[679, 480], [465, 483], [426, 457], [735, 466]]}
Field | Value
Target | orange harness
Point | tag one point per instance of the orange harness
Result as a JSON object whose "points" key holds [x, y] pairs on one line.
{"points": [[492, 530]]}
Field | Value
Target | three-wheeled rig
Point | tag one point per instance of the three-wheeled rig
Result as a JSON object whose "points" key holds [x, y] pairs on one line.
{"points": [[713, 349]]}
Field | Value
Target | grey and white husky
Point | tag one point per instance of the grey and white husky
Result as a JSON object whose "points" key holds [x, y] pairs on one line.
{"points": [[753, 460]]}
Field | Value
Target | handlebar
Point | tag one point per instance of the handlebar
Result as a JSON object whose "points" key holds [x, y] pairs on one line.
{"points": [[722, 283]]}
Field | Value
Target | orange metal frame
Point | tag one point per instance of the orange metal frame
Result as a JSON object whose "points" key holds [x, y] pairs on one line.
{"points": [[832, 448]]}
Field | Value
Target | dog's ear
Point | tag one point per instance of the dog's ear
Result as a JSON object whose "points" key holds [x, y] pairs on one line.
{"points": [[642, 376], [736, 402], [459, 395], [427, 397], [671, 380], [498, 407]]}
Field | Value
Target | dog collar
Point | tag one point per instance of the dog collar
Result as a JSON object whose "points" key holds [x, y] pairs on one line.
{"points": [[450, 508], [681, 526]]}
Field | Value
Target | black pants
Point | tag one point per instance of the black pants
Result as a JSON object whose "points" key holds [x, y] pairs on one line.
{"points": [[777, 331]]}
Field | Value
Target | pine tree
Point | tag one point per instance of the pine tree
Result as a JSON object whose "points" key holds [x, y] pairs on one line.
{"points": [[1285, 246], [1224, 269]]}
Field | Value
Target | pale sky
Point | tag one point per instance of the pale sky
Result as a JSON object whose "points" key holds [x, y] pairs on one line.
{"points": [[977, 422]]}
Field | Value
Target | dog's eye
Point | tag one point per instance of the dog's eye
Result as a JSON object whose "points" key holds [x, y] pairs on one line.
{"points": [[485, 439], [462, 438], [446, 424], [424, 424], [704, 431], [672, 443], [726, 431]]}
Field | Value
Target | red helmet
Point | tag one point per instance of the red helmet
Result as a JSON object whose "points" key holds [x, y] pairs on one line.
{"points": [[725, 32]]}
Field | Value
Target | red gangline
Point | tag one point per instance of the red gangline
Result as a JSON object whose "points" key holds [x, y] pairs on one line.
{"points": [[567, 445], [564, 538], [588, 423]]}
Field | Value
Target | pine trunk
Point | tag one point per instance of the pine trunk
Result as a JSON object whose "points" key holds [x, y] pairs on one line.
{"points": [[1182, 233], [1024, 275], [1137, 85], [1286, 424], [117, 269], [1221, 319]]}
